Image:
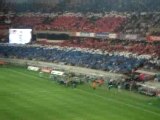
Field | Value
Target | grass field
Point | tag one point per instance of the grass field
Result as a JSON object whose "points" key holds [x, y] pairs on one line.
{"points": [[26, 96]]}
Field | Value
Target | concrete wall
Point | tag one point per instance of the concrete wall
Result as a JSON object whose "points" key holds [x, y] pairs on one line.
{"points": [[74, 69]]}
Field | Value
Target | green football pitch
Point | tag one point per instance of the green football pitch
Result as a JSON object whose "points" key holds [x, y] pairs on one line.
{"points": [[26, 96]]}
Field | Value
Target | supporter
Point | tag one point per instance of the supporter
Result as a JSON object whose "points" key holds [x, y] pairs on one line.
{"points": [[82, 57]]}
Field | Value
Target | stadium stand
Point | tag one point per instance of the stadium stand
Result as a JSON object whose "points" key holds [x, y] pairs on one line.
{"points": [[73, 56], [122, 23], [139, 48], [141, 23], [74, 23], [27, 21], [64, 22], [131, 23]]}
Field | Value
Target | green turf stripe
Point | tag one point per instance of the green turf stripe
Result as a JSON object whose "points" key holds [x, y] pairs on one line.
{"points": [[25, 96]]}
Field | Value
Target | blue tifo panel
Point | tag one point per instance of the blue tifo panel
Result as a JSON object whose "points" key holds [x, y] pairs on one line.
{"points": [[118, 64]]}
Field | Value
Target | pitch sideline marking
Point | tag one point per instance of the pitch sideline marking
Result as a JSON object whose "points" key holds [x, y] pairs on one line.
{"points": [[116, 101]]}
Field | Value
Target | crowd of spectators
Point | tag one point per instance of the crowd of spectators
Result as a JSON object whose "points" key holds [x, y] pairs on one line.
{"points": [[73, 23], [28, 21], [124, 23], [69, 23], [129, 23], [134, 47], [3, 31], [74, 56], [141, 23]]}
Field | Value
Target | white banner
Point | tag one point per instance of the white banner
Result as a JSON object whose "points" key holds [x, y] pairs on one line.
{"points": [[33, 68], [55, 72]]}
